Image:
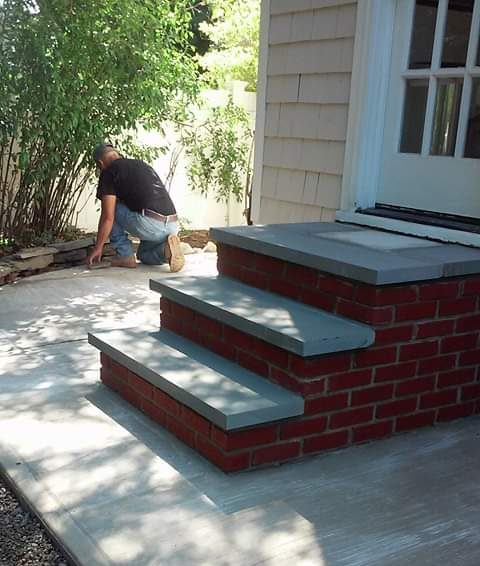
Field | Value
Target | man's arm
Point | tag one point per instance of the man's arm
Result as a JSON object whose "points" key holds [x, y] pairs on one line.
{"points": [[105, 224]]}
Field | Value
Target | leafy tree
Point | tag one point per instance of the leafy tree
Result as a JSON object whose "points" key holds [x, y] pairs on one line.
{"points": [[219, 152], [75, 73], [234, 33], [219, 146], [201, 13]]}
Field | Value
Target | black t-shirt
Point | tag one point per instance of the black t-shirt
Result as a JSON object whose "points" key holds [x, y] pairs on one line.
{"points": [[136, 185]]}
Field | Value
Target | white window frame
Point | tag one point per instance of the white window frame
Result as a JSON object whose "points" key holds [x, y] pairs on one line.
{"points": [[367, 113]]}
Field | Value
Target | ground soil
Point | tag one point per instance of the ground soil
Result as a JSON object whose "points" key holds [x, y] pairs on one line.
{"points": [[196, 238], [23, 540]]}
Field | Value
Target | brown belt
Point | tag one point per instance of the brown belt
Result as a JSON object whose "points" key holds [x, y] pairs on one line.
{"points": [[158, 216]]}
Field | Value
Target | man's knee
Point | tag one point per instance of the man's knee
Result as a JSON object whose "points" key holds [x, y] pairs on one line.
{"points": [[151, 253]]}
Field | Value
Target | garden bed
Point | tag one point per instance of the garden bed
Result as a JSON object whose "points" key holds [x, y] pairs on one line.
{"points": [[16, 263]]}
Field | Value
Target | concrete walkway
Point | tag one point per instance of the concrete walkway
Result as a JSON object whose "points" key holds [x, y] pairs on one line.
{"points": [[118, 490]]}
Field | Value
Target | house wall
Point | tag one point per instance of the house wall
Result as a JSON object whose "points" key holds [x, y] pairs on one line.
{"points": [[308, 74]]}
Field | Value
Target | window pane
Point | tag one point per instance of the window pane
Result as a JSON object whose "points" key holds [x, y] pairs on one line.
{"points": [[457, 33], [423, 34], [472, 146], [414, 116], [447, 109]]}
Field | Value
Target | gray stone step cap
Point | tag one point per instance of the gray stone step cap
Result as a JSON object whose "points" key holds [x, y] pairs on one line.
{"points": [[293, 326], [224, 393], [353, 252]]}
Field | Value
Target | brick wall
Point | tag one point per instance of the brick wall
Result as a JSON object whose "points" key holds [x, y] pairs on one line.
{"points": [[310, 58], [230, 451], [412, 306], [423, 368], [401, 382]]}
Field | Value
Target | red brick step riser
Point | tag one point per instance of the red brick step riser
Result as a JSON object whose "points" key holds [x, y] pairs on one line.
{"points": [[330, 424], [378, 305], [397, 385], [422, 369], [398, 353]]}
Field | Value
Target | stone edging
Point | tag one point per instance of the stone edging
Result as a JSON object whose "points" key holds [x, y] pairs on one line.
{"points": [[61, 255]]}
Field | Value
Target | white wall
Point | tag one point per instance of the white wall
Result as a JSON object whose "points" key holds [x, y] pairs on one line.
{"points": [[197, 211]]}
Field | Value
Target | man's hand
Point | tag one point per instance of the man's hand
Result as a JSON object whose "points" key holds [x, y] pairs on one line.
{"points": [[95, 256], [104, 228]]}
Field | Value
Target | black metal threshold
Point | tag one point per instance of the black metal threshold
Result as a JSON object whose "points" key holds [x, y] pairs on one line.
{"points": [[450, 221]]}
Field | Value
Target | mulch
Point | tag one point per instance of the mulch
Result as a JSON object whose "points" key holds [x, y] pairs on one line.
{"points": [[23, 540]]}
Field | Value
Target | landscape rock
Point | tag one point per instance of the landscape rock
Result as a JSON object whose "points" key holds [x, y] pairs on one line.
{"points": [[5, 269], [23, 540], [7, 274], [71, 256], [39, 262], [210, 248], [28, 253]]}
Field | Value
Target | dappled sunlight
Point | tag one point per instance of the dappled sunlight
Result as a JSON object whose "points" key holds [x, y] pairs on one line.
{"points": [[111, 472], [235, 300], [125, 480], [184, 368], [293, 325], [206, 537], [145, 498], [64, 306]]}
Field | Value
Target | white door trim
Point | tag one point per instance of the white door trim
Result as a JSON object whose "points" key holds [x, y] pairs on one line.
{"points": [[368, 99], [261, 112]]}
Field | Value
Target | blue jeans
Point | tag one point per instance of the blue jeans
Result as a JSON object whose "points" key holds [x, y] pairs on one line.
{"points": [[153, 234]]}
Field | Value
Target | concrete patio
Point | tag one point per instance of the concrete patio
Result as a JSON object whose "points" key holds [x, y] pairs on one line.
{"points": [[116, 489]]}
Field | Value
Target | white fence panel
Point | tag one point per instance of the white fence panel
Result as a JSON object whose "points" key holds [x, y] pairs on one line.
{"points": [[195, 210]]}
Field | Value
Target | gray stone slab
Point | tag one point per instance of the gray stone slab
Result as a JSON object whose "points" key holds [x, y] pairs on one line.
{"points": [[456, 260], [74, 244], [314, 247], [285, 323], [27, 253], [312, 228], [221, 391], [378, 240], [39, 262]]}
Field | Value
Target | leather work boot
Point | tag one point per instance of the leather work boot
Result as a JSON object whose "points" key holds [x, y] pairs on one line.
{"points": [[174, 254], [124, 261]]}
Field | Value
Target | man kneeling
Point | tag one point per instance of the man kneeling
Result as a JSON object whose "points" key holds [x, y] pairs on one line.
{"points": [[134, 201]]}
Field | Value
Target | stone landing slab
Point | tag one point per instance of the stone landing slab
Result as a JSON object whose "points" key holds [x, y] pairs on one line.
{"points": [[353, 252]]}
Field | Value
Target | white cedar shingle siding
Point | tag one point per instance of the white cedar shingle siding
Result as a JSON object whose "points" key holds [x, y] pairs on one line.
{"points": [[289, 6], [308, 90]]}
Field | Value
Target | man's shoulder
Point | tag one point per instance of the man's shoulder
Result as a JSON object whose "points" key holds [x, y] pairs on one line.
{"points": [[130, 164]]}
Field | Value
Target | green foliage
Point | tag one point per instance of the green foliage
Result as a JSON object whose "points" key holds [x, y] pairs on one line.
{"points": [[75, 73], [200, 13], [219, 152], [234, 31]]}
